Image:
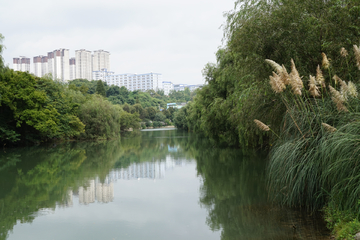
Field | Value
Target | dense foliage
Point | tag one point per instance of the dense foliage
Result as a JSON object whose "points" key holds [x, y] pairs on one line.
{"points": [[237, 90], [312, 133]]}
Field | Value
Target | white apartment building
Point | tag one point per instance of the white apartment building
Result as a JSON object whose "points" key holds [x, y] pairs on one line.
{"points": [[100, 60], [58, 64], [21, 64], [180, 87], [37, 66], [72, 69], [44, 65], [40, 65], [83, 59], [167, 87], [133, 82], [100, 75]]}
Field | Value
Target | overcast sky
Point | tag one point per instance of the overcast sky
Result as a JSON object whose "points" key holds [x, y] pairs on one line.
{"points": [[172, 37]]}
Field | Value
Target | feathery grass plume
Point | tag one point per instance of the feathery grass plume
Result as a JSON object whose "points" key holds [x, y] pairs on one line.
{"points": [[352, 90], [276, 84], [295, 80], [261, 125], [343, 87], [284, 76], [343, 52], [357, 56], [338, 99], [313, 89], [275, 65], [319, 77], [336, 95], [328, 127], [325, 61]]}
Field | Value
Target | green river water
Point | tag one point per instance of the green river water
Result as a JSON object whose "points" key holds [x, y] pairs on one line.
{"points": [[165, 184]]}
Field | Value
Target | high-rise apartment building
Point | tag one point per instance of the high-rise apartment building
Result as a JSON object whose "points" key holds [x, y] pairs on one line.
{"points": [[37, 66], [58, 64], [167, 87], [100, 60], [40, 65], [83, 61], [61, 67], [21, 64], [142, 82], [44, 65], [72, 68]]}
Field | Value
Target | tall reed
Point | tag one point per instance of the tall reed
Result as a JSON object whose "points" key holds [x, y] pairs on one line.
{"points": [[316, 159]]}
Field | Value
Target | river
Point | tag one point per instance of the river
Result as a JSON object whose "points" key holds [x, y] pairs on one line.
{"points": [[165, 184]]}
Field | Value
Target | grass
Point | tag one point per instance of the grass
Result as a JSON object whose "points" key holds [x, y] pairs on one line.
{"points": [[316, 160]]}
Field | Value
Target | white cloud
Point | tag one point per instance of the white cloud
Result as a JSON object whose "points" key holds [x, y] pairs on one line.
{"points": [[172, 37]]}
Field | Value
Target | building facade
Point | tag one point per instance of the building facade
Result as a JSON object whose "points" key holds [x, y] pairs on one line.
{"points": [[83, 60], [133, 82], [37, 66], [21, 64], [102, 74], [100, 60], [72, 69], [58, 64], [167, 87], [180, 87]]}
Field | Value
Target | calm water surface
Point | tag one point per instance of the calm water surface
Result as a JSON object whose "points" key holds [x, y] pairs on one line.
{"points": [[149, 185]]}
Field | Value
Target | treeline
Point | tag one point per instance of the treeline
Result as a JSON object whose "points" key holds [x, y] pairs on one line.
{"points": [[238, 91], [306, 112], [149, 107], [35, 110]]}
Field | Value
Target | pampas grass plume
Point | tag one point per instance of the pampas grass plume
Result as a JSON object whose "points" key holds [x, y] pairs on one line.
{"points": [[328, 127], [325, 61], [357, 56], [343, 52], [275, 65], [261, 125], [313, 89], [276, 84], [352, 90], [284, 76], [295, 80], [338, 99], [319, 77]]}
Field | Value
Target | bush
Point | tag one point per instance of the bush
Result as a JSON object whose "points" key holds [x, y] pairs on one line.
{"points": [[148, 123], [156, 124], [101, 118]]}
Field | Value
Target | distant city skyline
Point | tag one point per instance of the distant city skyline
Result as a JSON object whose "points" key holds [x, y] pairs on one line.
{"points": [[142, 36]]}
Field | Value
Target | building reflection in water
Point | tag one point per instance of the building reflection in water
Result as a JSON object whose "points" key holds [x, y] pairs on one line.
{"points": [[103, 192]]}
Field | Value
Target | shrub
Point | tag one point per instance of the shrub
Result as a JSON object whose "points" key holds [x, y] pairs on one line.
{"points": [[101, 118]]}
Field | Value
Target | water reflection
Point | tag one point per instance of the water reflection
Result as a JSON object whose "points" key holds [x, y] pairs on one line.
{"points": [[36, 180], [235, 196]]}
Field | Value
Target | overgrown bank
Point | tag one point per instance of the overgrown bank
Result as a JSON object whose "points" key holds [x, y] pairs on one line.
{"points": [[311, 166]]}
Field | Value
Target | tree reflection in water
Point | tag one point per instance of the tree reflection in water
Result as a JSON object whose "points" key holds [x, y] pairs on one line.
{"points": [[234, 193], [233, 188]]}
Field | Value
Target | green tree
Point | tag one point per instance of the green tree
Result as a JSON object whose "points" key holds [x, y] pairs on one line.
{"points": [[1, 50], [237, 91], [151, 112], [100, 88], [101, 118], [159, 117]]}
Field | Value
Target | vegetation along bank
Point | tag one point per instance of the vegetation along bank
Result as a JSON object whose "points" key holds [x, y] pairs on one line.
{"points": [[308, 116]]}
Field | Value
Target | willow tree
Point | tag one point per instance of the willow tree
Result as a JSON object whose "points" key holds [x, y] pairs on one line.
{"points": [[238, 89]]}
